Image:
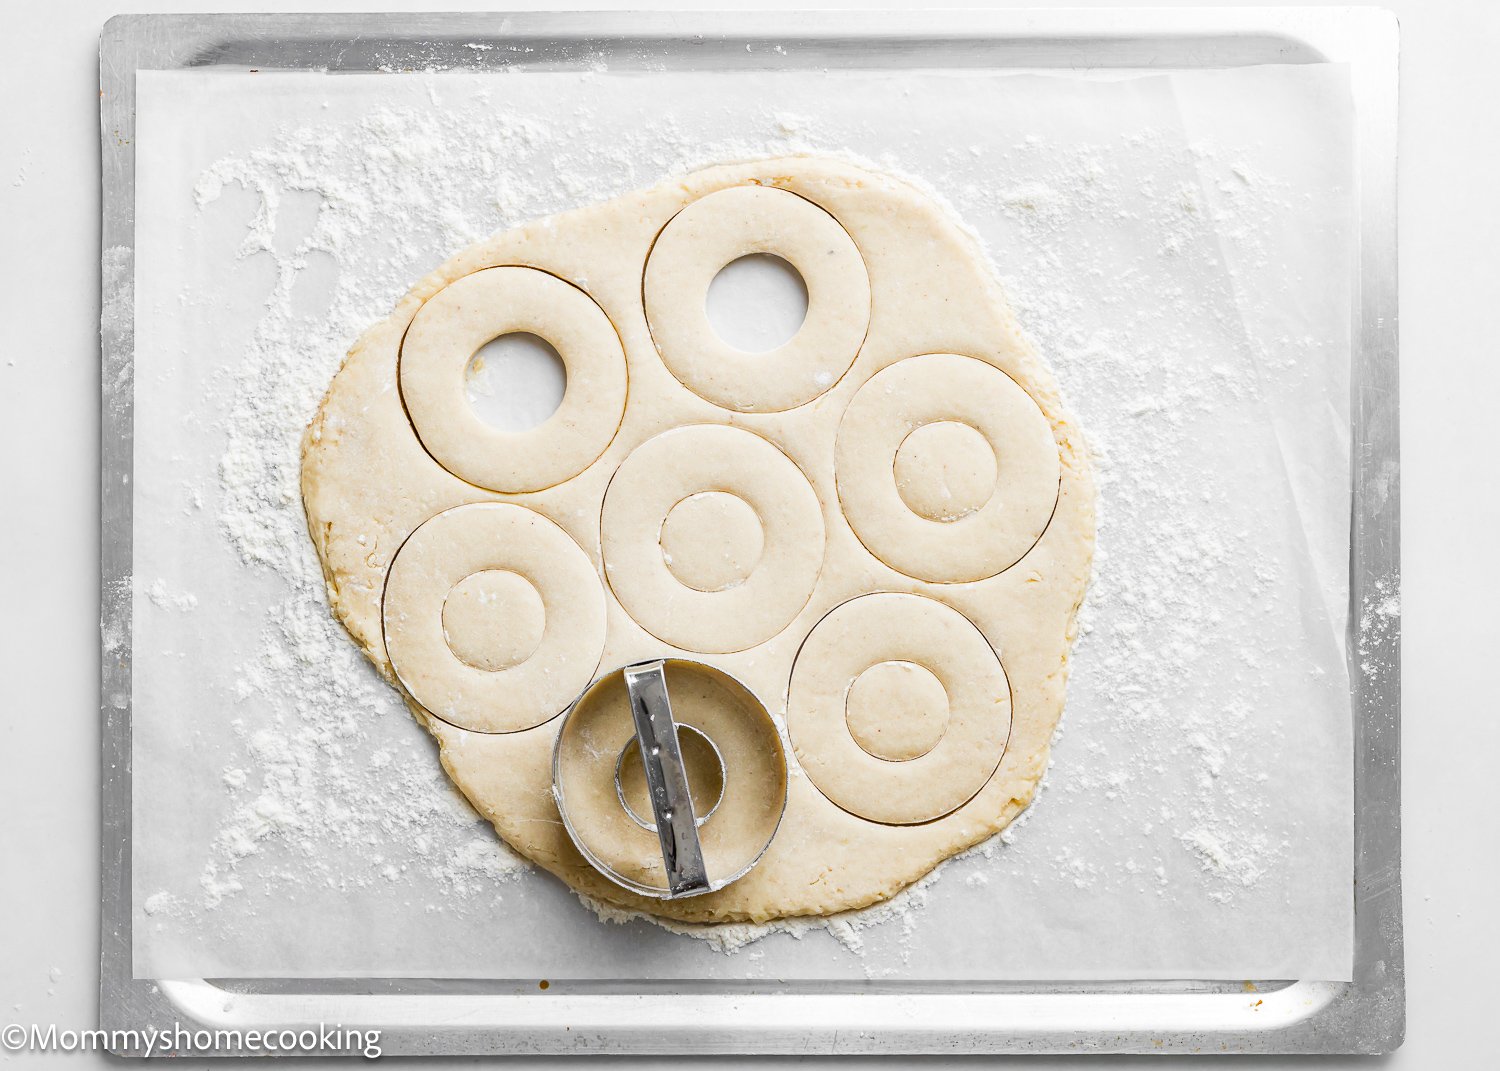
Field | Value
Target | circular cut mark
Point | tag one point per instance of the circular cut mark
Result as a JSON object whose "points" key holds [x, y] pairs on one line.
{"points": [[701, 762], [945, 470], [896, 711], [515, 382], [879, 629], [722, 228], [466, 551], [493, 619], [684, 462], [451, 327], [588, 753], [896, 523], [712, 541], [757, 303]]}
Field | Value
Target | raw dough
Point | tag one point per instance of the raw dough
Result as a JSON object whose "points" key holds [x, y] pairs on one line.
{"points": [[502, 301], [907, 688], [515, 679], [712, 540], [866, 635], [945, 403], [742, 221], [655, 482], [921, 361]]}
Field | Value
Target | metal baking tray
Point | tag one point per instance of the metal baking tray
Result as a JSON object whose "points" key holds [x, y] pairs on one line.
{"points": [[461, 1017]]}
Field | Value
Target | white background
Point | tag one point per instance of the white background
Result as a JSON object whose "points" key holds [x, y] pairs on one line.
{"points": [[1450, 234]]}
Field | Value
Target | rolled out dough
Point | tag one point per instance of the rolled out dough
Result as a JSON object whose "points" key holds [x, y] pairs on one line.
{"points": [[883, 528]]}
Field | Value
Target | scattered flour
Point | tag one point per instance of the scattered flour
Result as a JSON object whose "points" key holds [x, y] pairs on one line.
{"points": [[1379, 628], [166, 599], [846, 928], [160, 903]]}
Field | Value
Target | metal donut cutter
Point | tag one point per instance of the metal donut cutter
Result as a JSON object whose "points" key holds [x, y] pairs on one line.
{"points": [[681, 751]]}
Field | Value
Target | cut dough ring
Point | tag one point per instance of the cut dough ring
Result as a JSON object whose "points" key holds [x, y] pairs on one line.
{"points": [[451, 327], [935, 388], [893, 627], [736, 222], [734, 836], [474, 538], [685, 461]]}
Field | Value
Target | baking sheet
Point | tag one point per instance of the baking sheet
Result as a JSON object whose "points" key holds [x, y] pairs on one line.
{"points": [[1178, 245]]}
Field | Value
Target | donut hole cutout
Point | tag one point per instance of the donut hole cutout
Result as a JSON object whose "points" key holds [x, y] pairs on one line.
{"points": [[515, 382], [845, 703], [757, 303], [702, 763], [896, 711], [435, 608], [712, 541], [493, 619], [898, 464], [636, 538], [945, 471]]}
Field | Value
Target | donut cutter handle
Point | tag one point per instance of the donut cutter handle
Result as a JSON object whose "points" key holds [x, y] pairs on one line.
{"points": [[666, 779]]}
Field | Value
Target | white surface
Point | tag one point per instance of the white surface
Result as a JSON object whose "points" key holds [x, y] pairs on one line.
{"points": [[1196, 820], [48, 272], [759, 281]]}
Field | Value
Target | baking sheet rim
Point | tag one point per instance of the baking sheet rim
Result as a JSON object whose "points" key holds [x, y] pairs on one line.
{"points": [[1365, 1016]]}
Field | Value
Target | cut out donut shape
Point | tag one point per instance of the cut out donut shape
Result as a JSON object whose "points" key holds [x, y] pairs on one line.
{"points": [[462, 317], [672, 475], [493, 566], [946, 468], [735, 828], [722, 227], [857, 669]]}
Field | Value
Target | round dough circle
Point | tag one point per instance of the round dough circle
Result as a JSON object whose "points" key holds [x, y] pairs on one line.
{"points": [[493, 619], [712, 540], [890, 627], [896, 711], [945, 470], [895, 404], [599, 726], [456, 321], [476, 538], [685, 461], [719, 229]]}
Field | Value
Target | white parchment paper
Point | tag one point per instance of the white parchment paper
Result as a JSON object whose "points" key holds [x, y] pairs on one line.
{"points": [[1178, 245]]}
